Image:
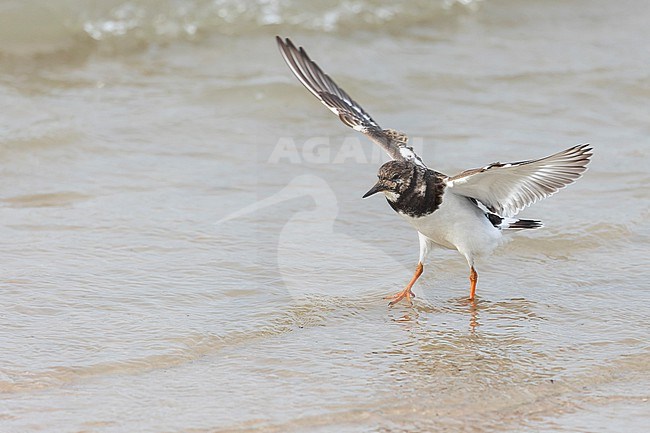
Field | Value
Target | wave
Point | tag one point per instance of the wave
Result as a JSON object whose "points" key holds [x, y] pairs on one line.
{"points": [[32, 27]]}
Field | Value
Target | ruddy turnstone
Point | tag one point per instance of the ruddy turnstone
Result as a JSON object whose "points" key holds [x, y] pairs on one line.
{"points": [[468, 212]]}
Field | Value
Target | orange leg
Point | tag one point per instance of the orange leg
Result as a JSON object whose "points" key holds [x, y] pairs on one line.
{"points": [[406, 293], [473, 278]]}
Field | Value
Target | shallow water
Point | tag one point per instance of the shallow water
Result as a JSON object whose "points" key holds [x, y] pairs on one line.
{"points": [[184, 247]]}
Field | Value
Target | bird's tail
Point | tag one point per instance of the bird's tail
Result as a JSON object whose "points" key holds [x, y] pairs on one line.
{"points": [[519, 224]]}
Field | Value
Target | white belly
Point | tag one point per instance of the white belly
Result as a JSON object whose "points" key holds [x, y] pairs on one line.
{"points": [[459, 224]]}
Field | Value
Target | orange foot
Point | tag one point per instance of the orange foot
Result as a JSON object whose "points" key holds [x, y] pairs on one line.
{"points": [[406, 293], [473, 278]]}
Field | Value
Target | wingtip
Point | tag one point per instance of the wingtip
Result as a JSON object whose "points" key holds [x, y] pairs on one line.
{"points": [[285, 43], [587, 151], [580, 152], [585, 148], [282, 43]]}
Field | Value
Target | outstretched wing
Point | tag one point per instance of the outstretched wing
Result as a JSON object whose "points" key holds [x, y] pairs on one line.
{"points": [[506, 189], [340, 103]]}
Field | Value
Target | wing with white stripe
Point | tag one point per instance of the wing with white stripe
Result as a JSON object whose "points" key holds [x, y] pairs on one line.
{"points": [[340, 103], [506, 189]]}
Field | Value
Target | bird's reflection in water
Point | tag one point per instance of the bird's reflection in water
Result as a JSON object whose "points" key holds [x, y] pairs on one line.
{"points": [[411, 313], [472, 307], [406, 318], [467, 346], [466, 317]]}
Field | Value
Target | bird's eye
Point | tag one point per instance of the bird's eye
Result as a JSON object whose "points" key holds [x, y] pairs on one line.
{"points": [[395, 178]]}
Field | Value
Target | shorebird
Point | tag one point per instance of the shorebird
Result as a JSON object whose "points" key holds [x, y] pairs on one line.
{"points": [[468, 212]]}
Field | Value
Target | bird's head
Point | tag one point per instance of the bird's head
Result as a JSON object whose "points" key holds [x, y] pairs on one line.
{"points": [[394, 179]]}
